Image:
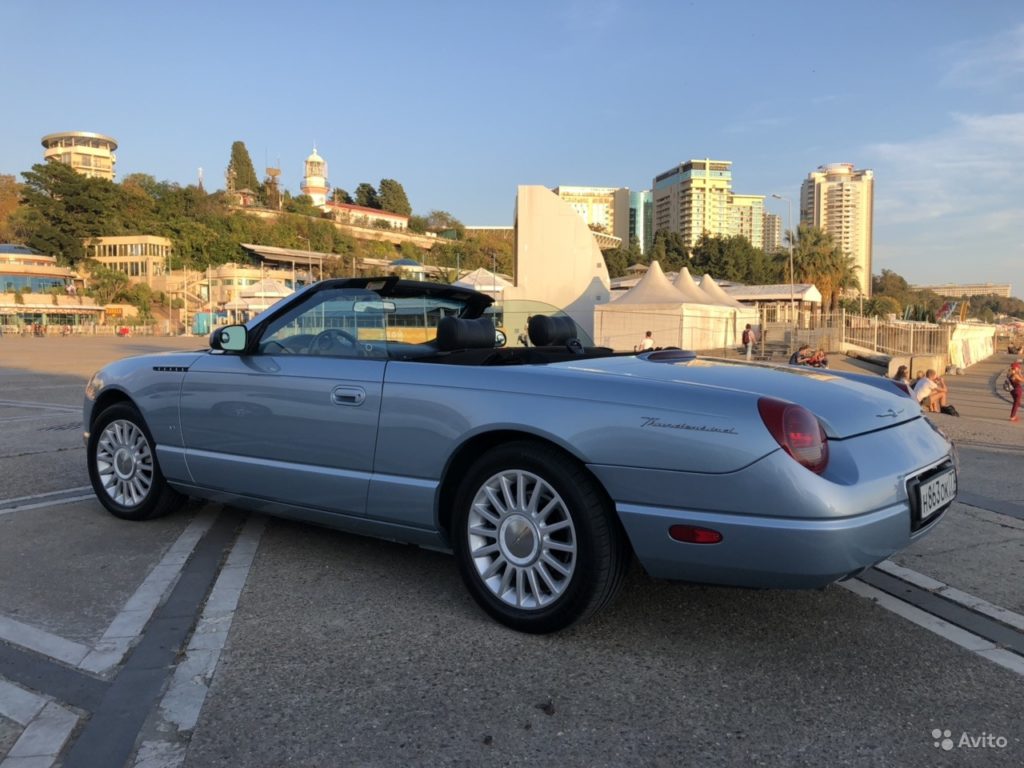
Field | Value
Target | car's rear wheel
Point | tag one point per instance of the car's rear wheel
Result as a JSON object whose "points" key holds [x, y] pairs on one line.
{"points": [[536, 540], [123, 467]]}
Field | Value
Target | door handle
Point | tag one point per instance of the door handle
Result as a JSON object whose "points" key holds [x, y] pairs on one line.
{"points": [[348, 395]]}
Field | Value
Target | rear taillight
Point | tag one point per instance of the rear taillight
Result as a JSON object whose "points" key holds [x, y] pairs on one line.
{"points": [[798, 432]]}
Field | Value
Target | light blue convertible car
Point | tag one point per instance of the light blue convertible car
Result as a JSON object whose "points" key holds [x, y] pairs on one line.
{"points": [[394, 409]]}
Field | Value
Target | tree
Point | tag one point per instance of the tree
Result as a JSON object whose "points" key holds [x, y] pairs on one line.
{"points": [[818, 260], [142, 183], [670, 250], [442, 221], [106, 285], [620, 259], [9, 194], [391, 196], [366, 196], [340, 195], [301, 204], [241, 174], [733, 258], [65, 209]]}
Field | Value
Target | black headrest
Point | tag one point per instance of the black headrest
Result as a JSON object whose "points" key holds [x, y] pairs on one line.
{"points": [[550, 331], [457, 333]]}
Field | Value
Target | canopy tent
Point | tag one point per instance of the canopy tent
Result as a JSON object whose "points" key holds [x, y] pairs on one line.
{"points": [[685, 284], [483, 280], [713, 289], [688, 320]]}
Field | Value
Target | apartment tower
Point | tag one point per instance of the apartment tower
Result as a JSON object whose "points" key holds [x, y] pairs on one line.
{"points": [[840, 200]]}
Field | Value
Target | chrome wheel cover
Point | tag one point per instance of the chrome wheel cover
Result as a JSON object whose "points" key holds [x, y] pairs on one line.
{"points": [[521, 539], [124, 463]]}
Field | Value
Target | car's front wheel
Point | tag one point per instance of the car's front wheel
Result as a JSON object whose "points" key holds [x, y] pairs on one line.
{"points": [[123, 467], [536, 541]]}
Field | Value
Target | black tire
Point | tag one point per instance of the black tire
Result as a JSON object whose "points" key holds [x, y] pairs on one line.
{"points": [[123, 467], [531, 570]]}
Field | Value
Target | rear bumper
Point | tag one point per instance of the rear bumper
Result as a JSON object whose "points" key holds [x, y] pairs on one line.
{"points": [[768, 552]]}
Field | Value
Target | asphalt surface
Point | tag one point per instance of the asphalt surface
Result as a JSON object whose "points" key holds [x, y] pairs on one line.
{"points": [[322, 649]]}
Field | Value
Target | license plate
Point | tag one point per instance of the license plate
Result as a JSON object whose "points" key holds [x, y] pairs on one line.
{"points": [[936, 493]]}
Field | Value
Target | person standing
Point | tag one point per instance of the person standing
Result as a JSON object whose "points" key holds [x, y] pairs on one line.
{"points": [[1016, 381], [647, 342], [749, 339]]}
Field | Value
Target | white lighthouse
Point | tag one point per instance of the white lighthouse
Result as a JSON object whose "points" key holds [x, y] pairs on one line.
{"points": [[314, 180]]}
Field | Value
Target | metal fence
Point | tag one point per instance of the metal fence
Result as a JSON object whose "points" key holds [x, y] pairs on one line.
{"points": [[897, 337]]}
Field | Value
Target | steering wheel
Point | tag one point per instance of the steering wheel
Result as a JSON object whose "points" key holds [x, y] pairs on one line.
{"points": [[324, 340], [281, 347]]}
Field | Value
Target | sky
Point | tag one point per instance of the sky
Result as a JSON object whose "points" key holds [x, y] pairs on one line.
{"points": [[463, 101]]}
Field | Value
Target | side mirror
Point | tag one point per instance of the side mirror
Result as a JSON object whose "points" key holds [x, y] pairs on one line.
{"points": [[231, 338], [500, 340]]}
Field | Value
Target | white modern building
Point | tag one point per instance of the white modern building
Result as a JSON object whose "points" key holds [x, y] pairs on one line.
{"points": [[90, 154], [840, 200]]}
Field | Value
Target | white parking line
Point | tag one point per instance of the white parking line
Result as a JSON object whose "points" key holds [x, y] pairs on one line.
{"points": [[51, 503], [953, 594], [183, 701], [967, 640], [137, 611], [46, 724], [76, 489], [129, 622]]}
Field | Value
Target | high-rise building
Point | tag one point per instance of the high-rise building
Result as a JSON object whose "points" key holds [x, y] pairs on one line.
{"points": [[746, 217], [840, 200], [606, 208], [693, 198], [90, 154], [696, 197], [314, 179], [641, 219], [772, 230]]}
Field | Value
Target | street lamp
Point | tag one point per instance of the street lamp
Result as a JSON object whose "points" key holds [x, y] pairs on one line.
{"points": [[792, 234]]}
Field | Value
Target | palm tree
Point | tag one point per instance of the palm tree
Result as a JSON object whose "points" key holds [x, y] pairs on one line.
{"points": [[818, 260]]}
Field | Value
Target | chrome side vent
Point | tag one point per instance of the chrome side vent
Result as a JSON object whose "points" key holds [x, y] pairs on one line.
{"points": [[171, 368]]}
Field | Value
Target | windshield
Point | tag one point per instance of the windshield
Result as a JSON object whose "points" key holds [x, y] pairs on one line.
{"points": [[358, 321]]}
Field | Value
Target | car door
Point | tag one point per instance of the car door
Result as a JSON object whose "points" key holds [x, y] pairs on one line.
{"points": [[294, 420]]}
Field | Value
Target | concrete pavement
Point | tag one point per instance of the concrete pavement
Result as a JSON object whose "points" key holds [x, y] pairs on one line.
{"points": [[318, 649]]}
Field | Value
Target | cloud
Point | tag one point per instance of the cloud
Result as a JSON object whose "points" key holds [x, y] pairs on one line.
{"points": [[947, 206], [993, 63], [971, 168]]}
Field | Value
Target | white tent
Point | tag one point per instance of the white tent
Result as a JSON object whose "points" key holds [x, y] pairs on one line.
{"points": [[713, 289], [676, 319], [483, 280], [685, 284]]}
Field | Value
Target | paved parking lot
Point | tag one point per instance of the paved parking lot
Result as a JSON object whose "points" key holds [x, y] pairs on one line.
{"points": [[216, 638]]}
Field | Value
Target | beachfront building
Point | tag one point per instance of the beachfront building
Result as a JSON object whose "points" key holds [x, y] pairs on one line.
{"points": [[959, 290], [360, 216], [90, 154], [840, 200], [35, 290], [144, 258]]}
